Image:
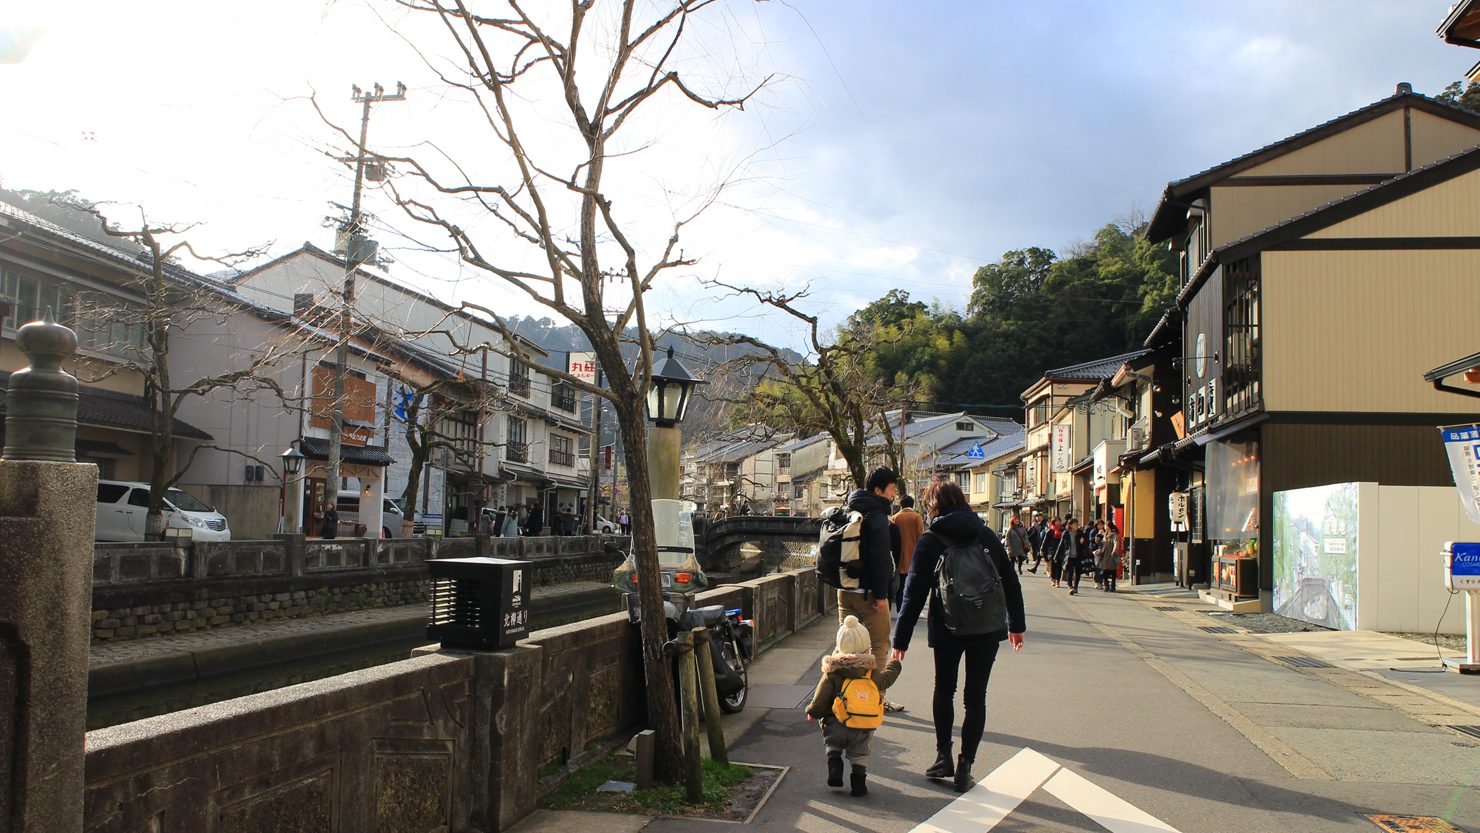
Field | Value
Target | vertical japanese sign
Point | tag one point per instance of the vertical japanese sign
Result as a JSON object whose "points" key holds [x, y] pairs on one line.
{"points": [[1462, 445], [582, 366], [1060, 448]]}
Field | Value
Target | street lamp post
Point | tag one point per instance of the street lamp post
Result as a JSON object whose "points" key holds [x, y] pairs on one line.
{"points": [[292, 465], [667, 403]]}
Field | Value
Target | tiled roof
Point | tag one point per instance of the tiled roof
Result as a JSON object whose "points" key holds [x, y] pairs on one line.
{"points": [[316, 448], [110, 409], [1093, 371], [803, 443]]}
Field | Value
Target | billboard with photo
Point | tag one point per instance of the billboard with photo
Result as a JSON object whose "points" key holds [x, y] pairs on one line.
{"points": [[1315, 555]]}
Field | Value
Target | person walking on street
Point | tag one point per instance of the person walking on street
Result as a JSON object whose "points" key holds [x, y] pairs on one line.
{"points": [[911, 526], [954, 526], [1036, 533], [1051, 539], [1109, 558], [1017, 543], [1071, 549], [850, 713], [870, 601]]}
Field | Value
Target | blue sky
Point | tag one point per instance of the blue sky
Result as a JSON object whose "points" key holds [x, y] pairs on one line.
{"points": [[898, 145]]}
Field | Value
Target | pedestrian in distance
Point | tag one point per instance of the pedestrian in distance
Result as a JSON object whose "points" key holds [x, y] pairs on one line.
{"points": [[911, 526], [329, 522], [849, 703], [870, 601], [1017, 543], [625, 522], [1036, 533], [1109, 558], [511, 523], [1071, 549], [937, 574], [1051, 539]]}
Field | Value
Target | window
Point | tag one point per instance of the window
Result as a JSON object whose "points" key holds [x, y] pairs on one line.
{"points": [[461, 429], [965, 426], [1241, 338], [138, 497], [562, 398], [1038, 412], [561, 450], [110, 492], [518, 378], [981, 481], [517, 449], [91, 315]]}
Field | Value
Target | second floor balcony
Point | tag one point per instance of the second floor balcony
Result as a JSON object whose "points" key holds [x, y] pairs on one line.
{"points": [[516, 452], [562, 399], [562, 458], [519, 385]]}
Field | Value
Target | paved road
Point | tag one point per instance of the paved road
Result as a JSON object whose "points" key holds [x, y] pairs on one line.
{"points": [[1127, 708]]}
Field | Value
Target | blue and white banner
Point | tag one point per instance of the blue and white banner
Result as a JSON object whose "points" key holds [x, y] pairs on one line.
{"points": [[1462, 444]]}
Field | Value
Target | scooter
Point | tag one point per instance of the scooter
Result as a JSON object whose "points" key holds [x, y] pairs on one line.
{"points": [[731, 636]]}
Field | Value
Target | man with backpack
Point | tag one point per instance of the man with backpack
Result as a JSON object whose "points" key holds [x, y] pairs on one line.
{"points": [[864, 590]]}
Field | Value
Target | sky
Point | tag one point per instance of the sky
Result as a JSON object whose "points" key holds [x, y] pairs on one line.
{"points": [[890, 145]]}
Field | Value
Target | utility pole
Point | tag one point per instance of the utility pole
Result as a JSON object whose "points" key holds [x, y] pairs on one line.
{"points": [[597, 458], [357, 250]]}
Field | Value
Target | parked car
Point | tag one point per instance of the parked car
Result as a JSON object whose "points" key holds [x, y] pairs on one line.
{"points": [[604, 527], [123, 510], [391, 516]]}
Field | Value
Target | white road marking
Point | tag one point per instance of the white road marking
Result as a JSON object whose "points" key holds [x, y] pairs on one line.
{"points": [[994, 797], [998, 795], [1107, 809]]}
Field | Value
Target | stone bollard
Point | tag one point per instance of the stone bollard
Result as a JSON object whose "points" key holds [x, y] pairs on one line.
{"points": [[46, 546]]}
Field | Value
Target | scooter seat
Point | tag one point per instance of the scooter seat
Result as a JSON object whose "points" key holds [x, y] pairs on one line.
{"points": [[710, 616]]}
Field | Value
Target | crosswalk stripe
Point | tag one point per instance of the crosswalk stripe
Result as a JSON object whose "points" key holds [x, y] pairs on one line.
{"points": [[1107, 809], [994, 797]]}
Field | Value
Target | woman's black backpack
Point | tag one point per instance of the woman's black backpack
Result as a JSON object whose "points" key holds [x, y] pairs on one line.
{"points": [[970, 588]]}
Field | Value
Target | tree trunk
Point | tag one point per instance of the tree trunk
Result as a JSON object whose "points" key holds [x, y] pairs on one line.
{"points": [[662, 704]]}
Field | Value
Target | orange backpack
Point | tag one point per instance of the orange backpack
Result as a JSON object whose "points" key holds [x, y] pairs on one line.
{"points": [[859, 704]]}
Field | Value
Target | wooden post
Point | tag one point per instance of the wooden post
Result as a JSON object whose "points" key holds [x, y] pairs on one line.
{"points": [[646, 740], [703, 658], [689, 692]]}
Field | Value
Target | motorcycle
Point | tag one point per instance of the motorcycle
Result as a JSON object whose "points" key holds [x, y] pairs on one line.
{"points": [[731, 636]]}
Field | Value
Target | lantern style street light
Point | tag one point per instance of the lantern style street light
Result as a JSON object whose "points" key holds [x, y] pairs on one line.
{"points": [[667, 401], [668, 397], [292, 498]]}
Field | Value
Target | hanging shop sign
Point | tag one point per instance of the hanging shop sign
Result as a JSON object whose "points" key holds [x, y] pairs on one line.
{"points": [[1063, 453], [1462, 445]]}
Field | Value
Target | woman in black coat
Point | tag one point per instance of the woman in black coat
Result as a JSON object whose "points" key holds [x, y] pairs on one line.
{"points": [[952, 519]]}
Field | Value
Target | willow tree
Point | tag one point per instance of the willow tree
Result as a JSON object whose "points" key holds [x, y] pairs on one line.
{"points": [[538, 202]]}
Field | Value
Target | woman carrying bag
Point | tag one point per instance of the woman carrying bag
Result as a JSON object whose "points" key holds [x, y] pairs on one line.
{"points": [[955, 532]]}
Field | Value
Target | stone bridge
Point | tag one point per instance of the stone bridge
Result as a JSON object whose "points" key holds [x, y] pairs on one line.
{"points": [[750, 543]]}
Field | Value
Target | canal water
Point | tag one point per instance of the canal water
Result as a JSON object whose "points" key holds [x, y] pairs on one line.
{"points": [[137, 705]]}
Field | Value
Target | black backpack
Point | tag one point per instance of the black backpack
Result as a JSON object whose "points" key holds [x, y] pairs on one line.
{"points": [[970, 589], [838, 549]]}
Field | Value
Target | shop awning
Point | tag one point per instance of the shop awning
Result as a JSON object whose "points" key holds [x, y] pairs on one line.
{"points": [[1230, 428]]}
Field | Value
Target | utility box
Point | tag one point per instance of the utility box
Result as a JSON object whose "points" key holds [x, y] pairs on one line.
{"points": [[479, 603]]}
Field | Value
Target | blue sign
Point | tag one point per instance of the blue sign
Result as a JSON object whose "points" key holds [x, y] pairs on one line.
{"points": [[976, 453], [1464, 559]]}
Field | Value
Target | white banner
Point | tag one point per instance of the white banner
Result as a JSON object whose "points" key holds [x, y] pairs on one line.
{"points": [[1462, 444], [1063, 458], [582, 366]]}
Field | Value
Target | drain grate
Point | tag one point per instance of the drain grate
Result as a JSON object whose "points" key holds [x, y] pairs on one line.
{"points": [[1472, 731], [1167, 607], [1412, 824], [1305, 662], [1216, 629]]}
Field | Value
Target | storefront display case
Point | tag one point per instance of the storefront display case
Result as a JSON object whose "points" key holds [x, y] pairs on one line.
{"points": [[1236, 570]]}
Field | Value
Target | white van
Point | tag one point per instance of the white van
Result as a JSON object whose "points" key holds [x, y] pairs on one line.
{"points": [[348, 507], [123, 510]]}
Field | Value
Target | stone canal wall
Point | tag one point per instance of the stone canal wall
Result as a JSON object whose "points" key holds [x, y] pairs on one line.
{"points": [[149, 589], [443, 741]]}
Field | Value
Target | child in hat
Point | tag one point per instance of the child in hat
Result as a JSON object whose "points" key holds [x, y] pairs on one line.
{"points": [[849, 704]]}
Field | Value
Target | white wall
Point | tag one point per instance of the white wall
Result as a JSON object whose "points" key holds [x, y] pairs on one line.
{"points": [[1400, 579]]}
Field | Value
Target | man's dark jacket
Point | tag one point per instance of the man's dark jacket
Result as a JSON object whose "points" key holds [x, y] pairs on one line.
{"points": [[961, 525], [874, 546]]}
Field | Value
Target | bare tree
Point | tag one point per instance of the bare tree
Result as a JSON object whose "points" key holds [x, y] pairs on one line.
{"points": [[590, 264], [173, 299], [426, 409], [834, 392]]}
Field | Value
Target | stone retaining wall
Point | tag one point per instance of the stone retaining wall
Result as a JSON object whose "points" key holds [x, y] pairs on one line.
{"points": [[445, 741], [150, 589]]}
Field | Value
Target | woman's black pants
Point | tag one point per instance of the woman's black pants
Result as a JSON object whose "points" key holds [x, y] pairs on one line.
{"points": [[979, 658]]}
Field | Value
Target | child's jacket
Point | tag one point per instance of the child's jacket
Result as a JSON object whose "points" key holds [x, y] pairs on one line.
{"points": [[837, 668]]}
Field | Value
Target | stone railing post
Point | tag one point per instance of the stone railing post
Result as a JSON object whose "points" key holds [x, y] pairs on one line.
{"points": [[46, 554]]}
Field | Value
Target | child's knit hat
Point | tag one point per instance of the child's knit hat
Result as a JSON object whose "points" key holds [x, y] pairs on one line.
{"points": [[853, 637]]}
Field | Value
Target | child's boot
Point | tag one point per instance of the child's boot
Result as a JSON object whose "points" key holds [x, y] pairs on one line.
{"points": [[858, 777], [835, 770]]}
